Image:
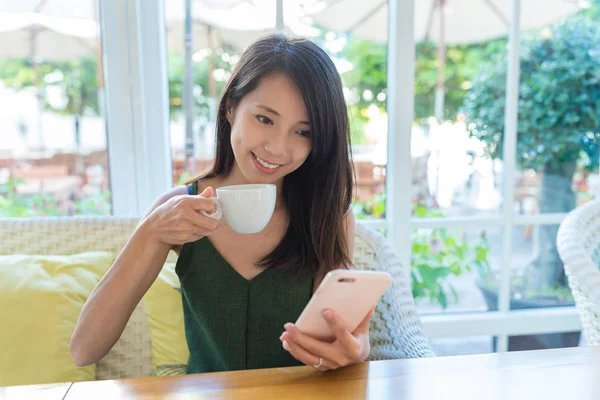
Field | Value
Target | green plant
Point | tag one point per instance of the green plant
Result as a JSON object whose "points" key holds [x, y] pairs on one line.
{"points": [[99, 204], [519, 288], [372, 208], [13, 205], [205, 90], [39, 205], [370, 65], [558, 125], [436, 254]]}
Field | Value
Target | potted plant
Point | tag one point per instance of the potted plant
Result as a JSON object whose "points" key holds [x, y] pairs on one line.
{"points": [[558, 127], [436, 255]]}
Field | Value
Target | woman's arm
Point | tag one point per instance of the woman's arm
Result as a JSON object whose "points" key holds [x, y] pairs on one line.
{"points": [[171, 221]]}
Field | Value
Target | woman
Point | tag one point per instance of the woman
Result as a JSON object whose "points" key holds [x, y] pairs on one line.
{"points": [[282, 120]]}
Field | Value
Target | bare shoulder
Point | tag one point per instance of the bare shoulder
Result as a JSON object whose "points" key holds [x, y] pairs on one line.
{"points": [[175, 191], [164, 197]]}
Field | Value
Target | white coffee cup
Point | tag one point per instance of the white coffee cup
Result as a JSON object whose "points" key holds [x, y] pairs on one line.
{"points": [[246, 208]]}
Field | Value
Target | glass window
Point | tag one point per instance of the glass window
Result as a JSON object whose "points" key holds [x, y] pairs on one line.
{"points": [[53, 154], [450, 268], [452, 172], [218, 42], [462, 346], [219, 34]]}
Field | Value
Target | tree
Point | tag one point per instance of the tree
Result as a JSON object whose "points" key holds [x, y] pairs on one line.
{"points": [[369, 74], [18, 73], [559, 121], [593, 12], [78, 82], [202, 68], [76, 79], [462, 62]]}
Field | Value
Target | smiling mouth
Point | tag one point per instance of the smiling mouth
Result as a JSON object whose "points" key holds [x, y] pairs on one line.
{"points": [[266, 164]]}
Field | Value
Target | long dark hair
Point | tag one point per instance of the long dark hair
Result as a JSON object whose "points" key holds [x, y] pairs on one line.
{"points": [[319, 193]]}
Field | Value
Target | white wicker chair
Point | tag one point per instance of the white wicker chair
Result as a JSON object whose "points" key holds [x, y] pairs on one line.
{"points": [[396, 330], [579, 248]]}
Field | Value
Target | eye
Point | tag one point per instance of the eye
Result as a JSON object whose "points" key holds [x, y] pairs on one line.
{"points": [[264, 120], [306, 134]]}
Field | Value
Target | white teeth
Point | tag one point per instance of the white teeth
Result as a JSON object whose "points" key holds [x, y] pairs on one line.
{"points": [[265, 164]]}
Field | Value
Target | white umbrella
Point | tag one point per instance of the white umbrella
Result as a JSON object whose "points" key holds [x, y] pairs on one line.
{"points": [[86, 9], [242, 15], [458, 22], [235, 22], [213, 23], [58, 30], [38, 36], [50, 38]]}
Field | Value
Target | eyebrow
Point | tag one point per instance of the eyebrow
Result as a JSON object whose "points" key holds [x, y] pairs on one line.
{"points": [[269, 109]]}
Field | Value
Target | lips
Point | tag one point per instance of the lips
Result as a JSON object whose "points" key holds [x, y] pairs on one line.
{"points": [[264, 166]]}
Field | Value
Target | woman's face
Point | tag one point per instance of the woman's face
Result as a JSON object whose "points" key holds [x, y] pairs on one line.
{"points": [[270, 131]]}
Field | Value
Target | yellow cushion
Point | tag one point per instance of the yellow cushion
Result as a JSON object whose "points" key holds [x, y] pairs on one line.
{"points": [[40, 300], [163, 305]]}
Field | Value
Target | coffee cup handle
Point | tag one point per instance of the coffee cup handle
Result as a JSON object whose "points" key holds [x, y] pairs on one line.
{"points": [[218, 214]]}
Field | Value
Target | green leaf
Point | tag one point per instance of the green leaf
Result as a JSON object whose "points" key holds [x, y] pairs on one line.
{"points": [[450, 241], [379, 209], [481, 254], [442, 299], [420, 212], [431, 275], [454, 293]]}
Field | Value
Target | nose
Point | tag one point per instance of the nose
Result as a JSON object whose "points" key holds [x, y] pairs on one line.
{"points": [[276, 143]]}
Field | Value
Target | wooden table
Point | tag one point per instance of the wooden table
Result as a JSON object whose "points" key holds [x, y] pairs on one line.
{"points": [[541, 375], [54, 391]]}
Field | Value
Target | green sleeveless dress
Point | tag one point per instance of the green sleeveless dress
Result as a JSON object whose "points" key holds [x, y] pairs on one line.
{"points": [[232, 323]]}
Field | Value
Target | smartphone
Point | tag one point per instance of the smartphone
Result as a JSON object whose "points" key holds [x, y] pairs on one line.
{"points": [[350, 293]]}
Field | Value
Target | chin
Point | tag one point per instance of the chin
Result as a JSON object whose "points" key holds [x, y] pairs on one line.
{"points": [[265, 179], [255, 177]]}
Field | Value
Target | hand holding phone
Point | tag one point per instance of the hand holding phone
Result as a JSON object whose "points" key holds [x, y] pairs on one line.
{"points": [[350, 293]]}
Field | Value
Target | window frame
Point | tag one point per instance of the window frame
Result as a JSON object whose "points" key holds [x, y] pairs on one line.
{"points": [[137, 110], [401, 70], [135, 66]]}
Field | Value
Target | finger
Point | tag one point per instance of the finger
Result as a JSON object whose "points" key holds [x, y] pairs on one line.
{"points": [[208, 192], [199, 203], [304, 356], [312, 345], [363, 327], [339, 330], [200, 221]]}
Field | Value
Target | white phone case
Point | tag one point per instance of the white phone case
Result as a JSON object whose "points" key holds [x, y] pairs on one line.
{"points": [[351, 293]]}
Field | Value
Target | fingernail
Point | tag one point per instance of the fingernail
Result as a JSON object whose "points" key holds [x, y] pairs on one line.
{"points": [[288, 326], [327, 314], [286, 346]]}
